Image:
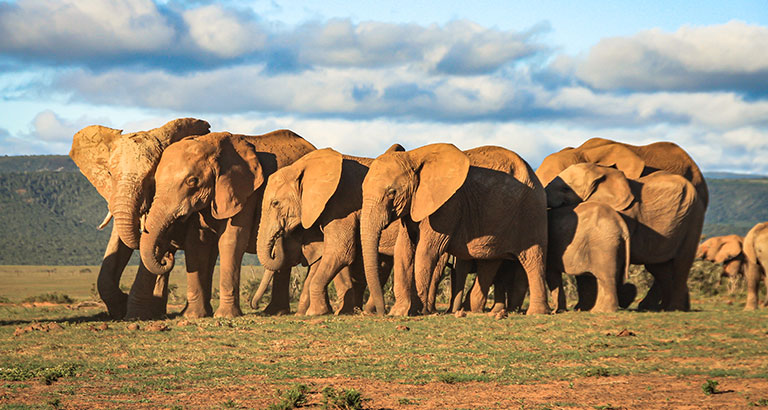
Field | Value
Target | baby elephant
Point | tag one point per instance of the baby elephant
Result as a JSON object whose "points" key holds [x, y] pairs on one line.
{"points": [[590, 238], [727, 251]]}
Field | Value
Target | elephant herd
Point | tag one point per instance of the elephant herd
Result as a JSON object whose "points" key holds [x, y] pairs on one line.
{"points": [[588, 211]]}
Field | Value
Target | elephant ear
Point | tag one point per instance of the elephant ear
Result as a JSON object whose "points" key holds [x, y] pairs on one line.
{"points": [[395, 148], [91, 148], [238, 174], [442, 170], [180, 128], [615, 155], [320, 178], [609, 186], [729, 249]]}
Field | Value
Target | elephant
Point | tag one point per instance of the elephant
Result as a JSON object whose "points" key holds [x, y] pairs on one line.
{"points": [[725, 250], [663, 213], [484, 204], [322, 192], [221, 176], [756, 259], [121, 168], [590, 240], [634, 160]]}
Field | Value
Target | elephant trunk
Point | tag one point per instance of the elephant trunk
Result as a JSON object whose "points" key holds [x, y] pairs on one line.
{"points": [[371, 225], [125, 209], [154, 249], [269, 244], [265, 279]]}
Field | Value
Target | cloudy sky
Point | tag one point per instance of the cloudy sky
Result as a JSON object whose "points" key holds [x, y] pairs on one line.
{"points": [[531, 76]]}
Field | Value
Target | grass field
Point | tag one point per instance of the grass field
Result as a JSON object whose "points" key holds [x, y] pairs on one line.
{"points": [[570, 360]]}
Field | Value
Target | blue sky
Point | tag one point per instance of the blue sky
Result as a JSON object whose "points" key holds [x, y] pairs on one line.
{"points": [[531, 76]]}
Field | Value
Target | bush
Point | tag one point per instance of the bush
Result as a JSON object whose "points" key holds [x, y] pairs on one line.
{"points": [[343, 399], [54, 297], [295, 397]]}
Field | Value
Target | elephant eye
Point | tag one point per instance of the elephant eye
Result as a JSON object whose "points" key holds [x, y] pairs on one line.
{"points": [[275, 203], [192, 181], [391, 192]]}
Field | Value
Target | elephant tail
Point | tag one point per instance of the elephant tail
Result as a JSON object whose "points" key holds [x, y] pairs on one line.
{"points": [[627, 291]]}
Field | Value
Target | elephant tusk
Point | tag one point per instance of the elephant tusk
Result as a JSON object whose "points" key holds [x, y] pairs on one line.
{"points": [[105, 221], [143, 223]]}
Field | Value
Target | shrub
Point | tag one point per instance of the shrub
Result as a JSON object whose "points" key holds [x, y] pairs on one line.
{"points": [[295, 397], [709, 387], [343, 399], [54, 297]]}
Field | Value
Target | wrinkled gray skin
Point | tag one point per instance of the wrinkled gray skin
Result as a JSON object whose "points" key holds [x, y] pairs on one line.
{"points": [[220, 173], [121, 168]]}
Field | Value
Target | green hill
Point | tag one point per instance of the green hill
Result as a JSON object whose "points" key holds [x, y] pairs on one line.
{"points": [[49, 211]]}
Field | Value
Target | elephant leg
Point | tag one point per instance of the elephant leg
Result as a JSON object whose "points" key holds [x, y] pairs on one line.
{"points": [[437, 277], [732, 269], [303, 305], [403, 281], [148, 296], [519, 287], [607, 299], [386, 263], [586, 285], [533, 260], [116, 257], [486, 273], [429, 248], [329, 267], [752, 274], [200, 249], [345, 292], [500, 290], [652, 299], [280, 303], [664, 275], [557, 291], [458, 282]]}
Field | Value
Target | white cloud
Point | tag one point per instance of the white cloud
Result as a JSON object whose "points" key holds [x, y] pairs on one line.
{"points": [[725, 56], [72, 28], [222, 32]]}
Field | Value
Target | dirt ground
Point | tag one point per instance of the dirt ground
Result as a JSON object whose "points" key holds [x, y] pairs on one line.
{"points": [[619, 392]]}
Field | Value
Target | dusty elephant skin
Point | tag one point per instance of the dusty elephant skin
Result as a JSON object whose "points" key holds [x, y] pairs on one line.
{"points": [[756, 258], [664, 216], [223, 174], [473, 205], [725, 250], [121, 168], [322, 191], [593, 241], [634, 160]]}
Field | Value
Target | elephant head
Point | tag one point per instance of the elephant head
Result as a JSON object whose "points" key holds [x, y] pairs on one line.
{"points": [[410, 184], [596, 151], [121, 167], [220, 170], [721, 249], [590, 182], [295, 196]]}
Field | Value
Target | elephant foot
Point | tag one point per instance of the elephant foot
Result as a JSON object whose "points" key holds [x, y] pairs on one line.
{"points": [[750, 307], [627, 295], [537, 309], [604, 309], [317, 311], [498, 307], [369, 308], [195, 311], [118, 307], [276, 310], [228, 311], [400, 309]]}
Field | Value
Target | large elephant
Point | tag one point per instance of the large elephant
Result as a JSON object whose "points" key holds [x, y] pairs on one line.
{"points": [[663, 213], [725, 250], [322, 191], [121, 168], [484, 204], [221, 176], [756, 258], [634, 160]]}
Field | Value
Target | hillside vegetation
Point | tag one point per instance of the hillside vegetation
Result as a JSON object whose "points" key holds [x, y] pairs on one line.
{"points": [[49, 211]]}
